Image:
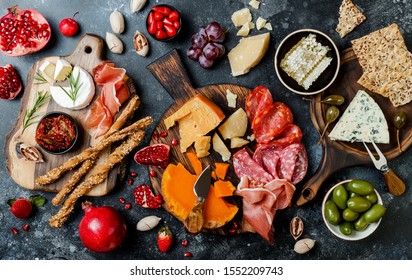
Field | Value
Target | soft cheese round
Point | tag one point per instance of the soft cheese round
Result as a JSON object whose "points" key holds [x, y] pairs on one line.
{"points": [[84, 96]]}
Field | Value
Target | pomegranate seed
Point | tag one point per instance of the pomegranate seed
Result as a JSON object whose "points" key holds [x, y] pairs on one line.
{"points": [[163, 134], [128, 206], [152, 173], [121, 200], [235, 225], [26, 227], [185, 243], [14, 230], [155, 136], [174, 142], [188, 254], [130, 181], [232, 230], [133, 174]]}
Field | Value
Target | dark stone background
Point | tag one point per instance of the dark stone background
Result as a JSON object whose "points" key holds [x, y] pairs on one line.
{"points": [[393, 238]]}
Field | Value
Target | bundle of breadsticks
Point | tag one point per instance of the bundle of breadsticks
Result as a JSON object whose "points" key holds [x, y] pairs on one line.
{"points": [[131, 136]]}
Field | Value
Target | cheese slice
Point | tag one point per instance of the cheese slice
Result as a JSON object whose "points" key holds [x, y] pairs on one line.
{"points": [[197, 117], [48, 69], [363, 120], [235, 125], [63, 69], [248, 53], [241, 17], [84, 96], [220, 147]]}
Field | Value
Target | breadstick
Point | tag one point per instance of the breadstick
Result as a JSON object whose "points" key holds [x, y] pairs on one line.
{"points": [[96, 177], [55, 173], [87, 164]]}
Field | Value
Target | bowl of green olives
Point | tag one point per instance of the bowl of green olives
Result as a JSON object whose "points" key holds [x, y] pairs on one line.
{"points": [[352, 209]]}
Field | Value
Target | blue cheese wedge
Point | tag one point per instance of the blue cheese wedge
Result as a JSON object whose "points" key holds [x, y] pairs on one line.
{"points": [[303, 59], [363, 120]]}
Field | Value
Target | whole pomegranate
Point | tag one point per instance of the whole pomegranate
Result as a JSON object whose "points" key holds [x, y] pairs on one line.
{"points": [[102, 229], [10, 83], [23, 32]]}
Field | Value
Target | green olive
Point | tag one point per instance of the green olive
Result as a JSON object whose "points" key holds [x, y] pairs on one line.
{"points": [[374, 213], [360, 224], [349, 215], [340, 196], [373, 198], [332, 213], [358, 204], [360, 187], [352, 194], [346, 228]]}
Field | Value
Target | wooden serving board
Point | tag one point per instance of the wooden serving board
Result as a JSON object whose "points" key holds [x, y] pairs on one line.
{"points": [[337, 154], [87, 54], [171, 73]]}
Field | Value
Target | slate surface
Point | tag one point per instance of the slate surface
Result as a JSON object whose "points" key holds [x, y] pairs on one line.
{"points": [[392, 240]]}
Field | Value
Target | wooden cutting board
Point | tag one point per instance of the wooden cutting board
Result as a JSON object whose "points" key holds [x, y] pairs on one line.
{"points": [[87, 54], [337, 155], [172, 75]]}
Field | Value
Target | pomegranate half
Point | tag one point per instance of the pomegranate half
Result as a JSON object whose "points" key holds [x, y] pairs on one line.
{"points": [[102, 229], [10, 83], [23, 32]]}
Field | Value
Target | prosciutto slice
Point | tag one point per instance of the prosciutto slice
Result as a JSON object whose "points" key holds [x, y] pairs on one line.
{"points": [[114, 92], [261, 203]]}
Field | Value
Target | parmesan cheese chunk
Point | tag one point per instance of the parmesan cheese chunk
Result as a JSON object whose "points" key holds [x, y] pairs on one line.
{"points": [[254, 4], [268, 26], [231, 99], [244, 31], [235, 125], [220, 147], [238, 142], [239, 18], [260, 23]]}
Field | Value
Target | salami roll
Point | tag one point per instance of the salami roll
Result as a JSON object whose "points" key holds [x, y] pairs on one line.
{"points": [[257, 100], [244, 165], [271, 122], [293, 163]]}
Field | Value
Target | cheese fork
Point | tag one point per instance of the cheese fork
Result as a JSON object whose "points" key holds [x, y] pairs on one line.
{"points": [[394, 184]]}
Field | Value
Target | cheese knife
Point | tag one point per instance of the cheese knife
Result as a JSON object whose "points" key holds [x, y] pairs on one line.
{"points": [[394, 184], [194, 221]]}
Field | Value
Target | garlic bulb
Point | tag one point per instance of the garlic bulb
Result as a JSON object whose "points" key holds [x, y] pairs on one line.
{"points": [[137, 5], [117, 22], [113, 42]]}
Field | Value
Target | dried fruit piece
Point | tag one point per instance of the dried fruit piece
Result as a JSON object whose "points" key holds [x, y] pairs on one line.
{"points": [[144, 197], [10, 83], [304, 245], [164, 239], [156, 155], [30, 153], [148, 223], [21, 208], [141, 44], [296, 227], [23, 32]]}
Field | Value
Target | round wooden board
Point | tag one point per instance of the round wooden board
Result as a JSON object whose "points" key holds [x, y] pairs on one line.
{"points": [[170, 72], [87, 54], [350, 154]]}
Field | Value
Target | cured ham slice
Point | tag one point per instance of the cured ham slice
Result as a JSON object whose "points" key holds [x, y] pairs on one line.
{"points": [[261, 203], [114, 92]]}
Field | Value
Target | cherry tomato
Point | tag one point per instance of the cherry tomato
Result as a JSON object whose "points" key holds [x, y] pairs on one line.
{"points": [[160, 34], [174, 16], [167, 21], [163, 10], [150, 18], [68, 27], [159, 25], [170, 30], [176, 24], [152, 28], [158, 16]]}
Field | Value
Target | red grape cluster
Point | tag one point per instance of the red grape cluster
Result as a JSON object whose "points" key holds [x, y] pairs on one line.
{"points": [[207, 45]]}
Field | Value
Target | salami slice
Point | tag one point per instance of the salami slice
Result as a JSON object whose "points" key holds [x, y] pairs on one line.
{"points": [[268, 157], [257, 100], [271, 122], [244, 165], [290, 135], [293, 163]]}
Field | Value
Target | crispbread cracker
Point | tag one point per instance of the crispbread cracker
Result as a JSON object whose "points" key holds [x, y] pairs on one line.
{"points": [[365, 46], [349, 17]]}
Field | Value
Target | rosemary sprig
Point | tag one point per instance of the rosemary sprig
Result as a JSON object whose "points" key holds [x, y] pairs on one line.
{"points": [[29, 115], [39, 78], [74, 87]]}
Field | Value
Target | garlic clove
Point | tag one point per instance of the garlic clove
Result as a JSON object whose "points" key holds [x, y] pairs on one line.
{"points": [[113, 42], [30, 153], [141, 44], [304, 245], [137, 5], [148, 223], [117, 22]]}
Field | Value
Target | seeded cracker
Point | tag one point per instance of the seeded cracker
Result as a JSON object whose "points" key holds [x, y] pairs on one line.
{"points": [[349, 17]]}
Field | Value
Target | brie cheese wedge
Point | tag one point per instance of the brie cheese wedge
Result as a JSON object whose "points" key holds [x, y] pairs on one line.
{"points": [[84, 96], [363, 120], [63, 69], [48, 69]]}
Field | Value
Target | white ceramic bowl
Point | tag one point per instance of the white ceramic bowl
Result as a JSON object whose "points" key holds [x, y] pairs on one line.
{"points": [[356, 235], [325, 79]]}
